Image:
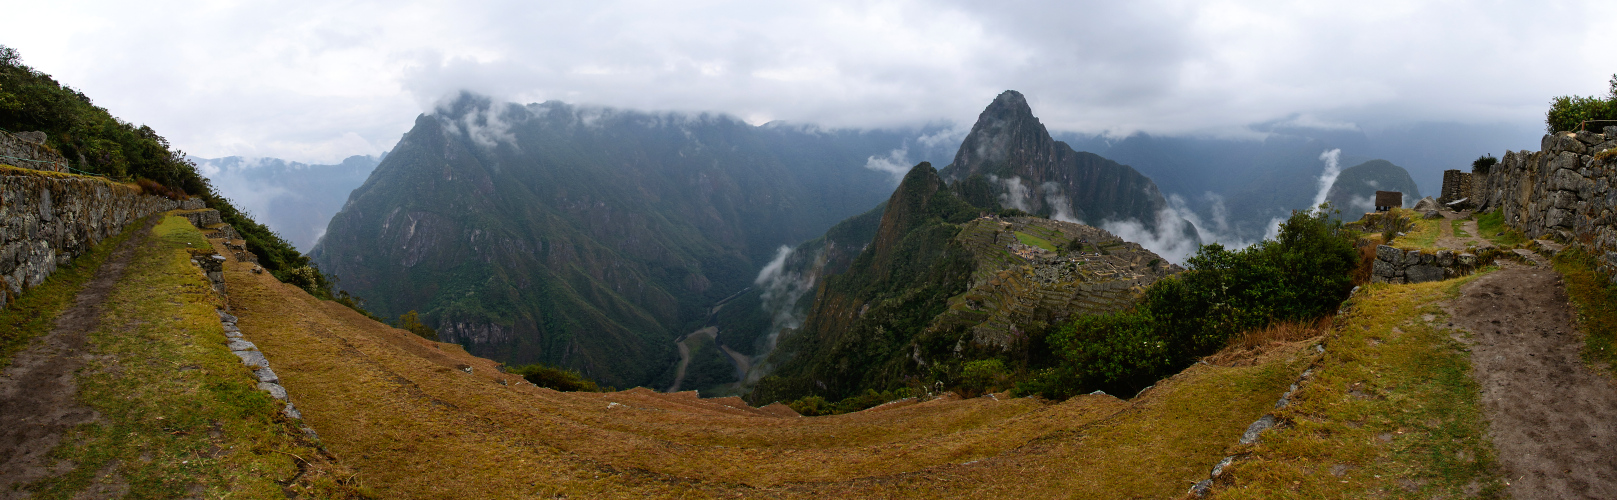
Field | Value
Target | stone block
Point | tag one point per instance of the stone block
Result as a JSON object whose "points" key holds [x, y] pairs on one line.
{"points": [[1389, 254], [1410, 258], [1445, 258], [1423, 273], [1466, 259], [1383, 269], [1427, 259], [1589, 138]]}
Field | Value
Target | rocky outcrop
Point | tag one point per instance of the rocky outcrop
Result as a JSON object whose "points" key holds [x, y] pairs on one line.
{"points": [[1010, 158], [28, 150], [1566, 191], [47, 219]]}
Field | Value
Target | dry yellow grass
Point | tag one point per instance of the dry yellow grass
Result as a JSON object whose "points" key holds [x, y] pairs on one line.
{"points": [[400, 410]]}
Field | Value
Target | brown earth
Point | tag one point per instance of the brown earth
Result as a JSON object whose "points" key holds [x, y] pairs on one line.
{"points": [[38, 392], [1552, 420]]}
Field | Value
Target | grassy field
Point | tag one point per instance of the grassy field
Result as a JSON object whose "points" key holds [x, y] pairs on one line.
{"points": [[179, 416]]}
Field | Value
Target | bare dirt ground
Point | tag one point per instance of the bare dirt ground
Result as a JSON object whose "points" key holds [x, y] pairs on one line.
{"points": [[38, 392], [1552, 420]]}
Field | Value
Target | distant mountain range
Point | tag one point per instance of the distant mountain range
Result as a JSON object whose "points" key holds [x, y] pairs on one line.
{"points": [[294, 199], [592, 237]]}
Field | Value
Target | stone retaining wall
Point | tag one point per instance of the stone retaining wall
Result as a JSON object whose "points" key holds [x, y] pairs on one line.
{"points": [[47, 219], [1411, 266], [16, 149], [1566, 191]]}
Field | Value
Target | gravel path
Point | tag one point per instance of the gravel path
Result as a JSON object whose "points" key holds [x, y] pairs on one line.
{"points": [[1552, 420]]}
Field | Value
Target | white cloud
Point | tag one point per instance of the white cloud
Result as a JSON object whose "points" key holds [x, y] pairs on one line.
{"points": [[318, 81]]}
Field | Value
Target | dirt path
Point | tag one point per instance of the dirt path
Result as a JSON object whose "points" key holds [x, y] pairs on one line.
{"points": [[38, 392], [1553, 421], [1447, 238]]}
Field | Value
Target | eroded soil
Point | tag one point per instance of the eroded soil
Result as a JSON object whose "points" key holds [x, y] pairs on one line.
{"points": [[38, 392], [1552, 420]]}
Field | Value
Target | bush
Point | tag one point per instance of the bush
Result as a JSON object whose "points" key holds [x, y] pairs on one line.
{"points": [[814, 406], [1568, 112], [1483, 164], [411, 322], [560, 379], [1303, 274], [982, 376]]}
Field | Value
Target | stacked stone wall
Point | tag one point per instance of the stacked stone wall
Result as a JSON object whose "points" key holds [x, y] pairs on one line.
{"points": [[1456, 186], [1566, 191], [1411, 266], [26, 153], [48, 219]]}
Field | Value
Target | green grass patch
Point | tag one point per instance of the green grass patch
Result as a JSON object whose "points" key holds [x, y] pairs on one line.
{"points": [[179, 415], [34, 313], [1493, 228], [1391, 410], [1034, 241], [1459, 229], [1595, 297], [1423, 234]]}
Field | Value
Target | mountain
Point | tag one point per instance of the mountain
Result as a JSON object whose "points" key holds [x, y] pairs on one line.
{"points": [[294, 199], [1354, 191], [940, 284], [590, 237], [1010, 159]]}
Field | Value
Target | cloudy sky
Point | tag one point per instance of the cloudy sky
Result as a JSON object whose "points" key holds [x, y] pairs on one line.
{"points": [[316, 81]]}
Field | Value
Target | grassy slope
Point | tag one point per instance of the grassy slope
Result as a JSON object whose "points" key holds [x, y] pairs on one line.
{"points": [[399, 410], [1595, 297], [1391, 410], [179, 415]]}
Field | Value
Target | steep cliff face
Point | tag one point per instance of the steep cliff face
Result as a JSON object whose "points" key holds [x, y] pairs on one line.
{"points": [[1010, 159], [587, 237]]}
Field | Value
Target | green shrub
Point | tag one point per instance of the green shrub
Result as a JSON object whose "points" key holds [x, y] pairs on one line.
{"points": [[983, 375], [811, 406], [560, 379], [411, 322], [1483, 164], [1567, 112]]}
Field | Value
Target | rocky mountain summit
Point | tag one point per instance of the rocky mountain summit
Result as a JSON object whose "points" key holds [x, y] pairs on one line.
{"points": [[1009, 158]]}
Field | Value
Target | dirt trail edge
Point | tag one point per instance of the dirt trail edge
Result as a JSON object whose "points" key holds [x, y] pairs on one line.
{"points": [[1553, 421], [38, 392]]}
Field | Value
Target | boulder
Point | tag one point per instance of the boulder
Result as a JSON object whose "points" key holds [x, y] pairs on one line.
{"points": [[1426, 204], [35, 137], [1432, 214]]}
